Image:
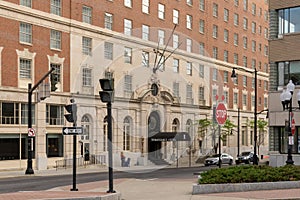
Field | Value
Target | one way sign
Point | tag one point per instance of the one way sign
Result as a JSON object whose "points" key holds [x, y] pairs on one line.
{"points": [[72, 131]]}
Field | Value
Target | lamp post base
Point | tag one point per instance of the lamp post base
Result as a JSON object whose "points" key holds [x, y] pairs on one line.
{"points": [[29, 171]]}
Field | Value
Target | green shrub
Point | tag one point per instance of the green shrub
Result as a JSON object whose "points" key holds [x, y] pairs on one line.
{"points": [[250, 174]]}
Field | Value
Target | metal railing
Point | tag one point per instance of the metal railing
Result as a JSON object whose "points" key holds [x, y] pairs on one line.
{"points": [[81, 162]]}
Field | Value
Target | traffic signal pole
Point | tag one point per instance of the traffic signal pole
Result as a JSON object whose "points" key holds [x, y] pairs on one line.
{"points": [[29, 169]]}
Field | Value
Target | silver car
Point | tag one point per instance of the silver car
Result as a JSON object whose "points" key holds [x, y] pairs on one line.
{"points": [[214, 159]]}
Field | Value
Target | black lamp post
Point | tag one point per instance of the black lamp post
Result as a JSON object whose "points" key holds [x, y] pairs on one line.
{"points": [[238, 134], [233, 75]]}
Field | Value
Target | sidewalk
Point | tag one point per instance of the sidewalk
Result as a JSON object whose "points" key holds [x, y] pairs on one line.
{"points": [[136, 189]]}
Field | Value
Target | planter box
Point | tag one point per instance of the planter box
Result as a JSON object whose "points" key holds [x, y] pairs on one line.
{"points": [[242, 187]]}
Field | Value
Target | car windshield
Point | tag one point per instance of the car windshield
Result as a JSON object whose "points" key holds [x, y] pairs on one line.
{"points": [[214, 156], [245, 153]]}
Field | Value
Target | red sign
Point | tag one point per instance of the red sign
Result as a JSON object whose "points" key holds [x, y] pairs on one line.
{"points": [[221, 113], [31, 132], [293, 127]]}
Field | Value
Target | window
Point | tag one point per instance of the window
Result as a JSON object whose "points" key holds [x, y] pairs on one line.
{"points": [[245, 42], [288, 20], [145, 6], [236, 19], [201, 26], [87, 14], [25, 32], [175, 65], [225, 55], [245, 23], [55, 7], [215, 74], [215, 10], [24, 113], [55, 39], [202, 48], [188, 45], [26, 3], [201, 70], [54, 144], [175, 41], [288, 71], [54, 114], [253, 27], [189, 2], [189, 20], [126, 134], [215, 31], [253, 82], [108, 21], [189, 94], [108, 50], [128, 3], [215, 52], [244, 100], [235, 98], [266, 33], [201, 93], [266, 50], [161, 11], [57, 71], [86, 77], [214, 94], [245, 81], [266, 15], [145, 59], [236, 58], [245, 61], [161, 37], [225, 76], [253, 63], [176, 89], [9, 113], [226, 97], [245, 5], [87, 46], [202, 5], [128, 84], [236, 80], [161, 63], [235, 39], [175, 16], [226, 15], [128, 55], [25, 68], [259, 30], [127, 27], [253, 45], [265, 85], [253, 9], [236, 2], [226, 35], [145, 34], [189, 68]]}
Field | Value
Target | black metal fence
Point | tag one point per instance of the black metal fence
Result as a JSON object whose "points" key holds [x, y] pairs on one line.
{"points": [[81, 162]]}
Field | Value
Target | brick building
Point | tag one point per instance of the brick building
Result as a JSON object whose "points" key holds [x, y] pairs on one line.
{"points": [[284, 66], [186, 48]]}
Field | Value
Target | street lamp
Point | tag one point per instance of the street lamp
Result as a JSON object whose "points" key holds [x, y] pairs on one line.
{"points": [[286, 100], [233, 75]]}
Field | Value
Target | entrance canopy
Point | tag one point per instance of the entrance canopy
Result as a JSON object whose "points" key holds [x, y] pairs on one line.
{"points": [[170, 136]]}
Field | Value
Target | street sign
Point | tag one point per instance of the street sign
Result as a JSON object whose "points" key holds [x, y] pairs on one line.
{"points": [[221, 113], [72, 131], [31, 132]]}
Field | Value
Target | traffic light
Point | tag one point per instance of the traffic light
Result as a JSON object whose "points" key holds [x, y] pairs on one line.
{"points": [[72, 112], [54, 80], [107, 85]]}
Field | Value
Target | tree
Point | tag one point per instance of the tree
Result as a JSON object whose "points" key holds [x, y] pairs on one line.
{"points": [[261, 125], [227, 129]]}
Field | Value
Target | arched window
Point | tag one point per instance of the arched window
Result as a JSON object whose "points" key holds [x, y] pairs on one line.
{"points": [[126, 133], [86, 124], [175, 125]]}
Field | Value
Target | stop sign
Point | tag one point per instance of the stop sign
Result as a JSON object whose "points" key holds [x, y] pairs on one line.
{"points": [[221, 113]]}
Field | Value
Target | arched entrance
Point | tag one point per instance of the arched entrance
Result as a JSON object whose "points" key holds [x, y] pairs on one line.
{"points": [[154, 147]]}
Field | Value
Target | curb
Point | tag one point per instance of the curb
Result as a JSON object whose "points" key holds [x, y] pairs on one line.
{"points": [[242, 187], [116, 196]]}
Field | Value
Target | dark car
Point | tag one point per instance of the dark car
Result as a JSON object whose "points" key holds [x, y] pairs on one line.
{"points": [[245, 157]]}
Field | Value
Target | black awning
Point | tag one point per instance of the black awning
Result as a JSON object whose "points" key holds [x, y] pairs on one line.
{"points": [[170, 136]]}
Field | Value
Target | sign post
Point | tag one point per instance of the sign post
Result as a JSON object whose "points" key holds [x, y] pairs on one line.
{"points": [[221, 117]]}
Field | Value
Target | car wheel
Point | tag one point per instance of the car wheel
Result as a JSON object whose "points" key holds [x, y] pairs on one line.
{"points": [[230, 162], [248, 161]]}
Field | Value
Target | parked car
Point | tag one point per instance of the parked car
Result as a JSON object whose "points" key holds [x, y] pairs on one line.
{"points": [[214, 159], [245, 157]]}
